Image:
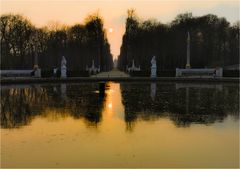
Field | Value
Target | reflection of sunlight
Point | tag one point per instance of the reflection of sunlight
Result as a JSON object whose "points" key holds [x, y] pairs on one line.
{"points": [[113, 107], [109, 105], [109, 101]]}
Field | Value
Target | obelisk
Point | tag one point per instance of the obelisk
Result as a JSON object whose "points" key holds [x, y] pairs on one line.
{"points": [[188, 66]]}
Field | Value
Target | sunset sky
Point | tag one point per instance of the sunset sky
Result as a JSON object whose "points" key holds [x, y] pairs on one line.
{"points": [[114, 12]]}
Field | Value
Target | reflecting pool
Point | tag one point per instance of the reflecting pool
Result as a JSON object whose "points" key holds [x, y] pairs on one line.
{"points": [[120, 125]]}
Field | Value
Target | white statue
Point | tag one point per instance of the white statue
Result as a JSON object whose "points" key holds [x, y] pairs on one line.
{"points": [[63, 67], [153, 67]]}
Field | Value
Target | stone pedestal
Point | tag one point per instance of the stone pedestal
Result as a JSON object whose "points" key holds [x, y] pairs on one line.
{"points": [[37, 73], [188, 66], [219, 72]]}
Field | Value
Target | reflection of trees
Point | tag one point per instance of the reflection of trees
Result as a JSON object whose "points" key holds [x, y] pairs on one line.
{"points": [[86, 104], [198, 105], [20, 105]]}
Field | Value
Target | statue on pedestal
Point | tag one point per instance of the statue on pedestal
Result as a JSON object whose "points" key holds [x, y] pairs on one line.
{"points": [[93, 69], [154, 67], [63, 67], [133, 67]]}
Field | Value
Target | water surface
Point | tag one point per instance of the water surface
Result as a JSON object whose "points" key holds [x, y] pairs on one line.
{"points": [[125, 125]]}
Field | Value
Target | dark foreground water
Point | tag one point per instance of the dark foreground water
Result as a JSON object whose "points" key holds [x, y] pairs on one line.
{"points": [[127, 125]]}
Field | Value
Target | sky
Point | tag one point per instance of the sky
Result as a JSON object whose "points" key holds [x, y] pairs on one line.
{"points": [[114, 12]]}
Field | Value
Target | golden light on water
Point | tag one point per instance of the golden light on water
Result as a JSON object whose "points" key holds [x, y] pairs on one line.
{"points": [[109, 100], [110, 105], [71, 142]]}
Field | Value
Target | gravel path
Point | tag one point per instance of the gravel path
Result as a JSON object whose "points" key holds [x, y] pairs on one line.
{"points": [[112, 73]]}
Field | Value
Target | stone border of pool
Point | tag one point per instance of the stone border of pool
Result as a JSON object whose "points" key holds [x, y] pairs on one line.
{"points": [[124, 79]]}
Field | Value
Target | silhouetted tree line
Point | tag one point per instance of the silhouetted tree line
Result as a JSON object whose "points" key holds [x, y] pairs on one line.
{"points": [[80, 44], [214, 42]]}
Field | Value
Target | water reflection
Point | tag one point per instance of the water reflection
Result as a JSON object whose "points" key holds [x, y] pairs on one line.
{"points": [[153, 90], [184, 104], [134, 125], [19, 105], [63, 91]]}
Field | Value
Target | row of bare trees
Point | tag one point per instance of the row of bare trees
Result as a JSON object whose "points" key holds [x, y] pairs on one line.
{"points": [[80, 44], [214, 42]]}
